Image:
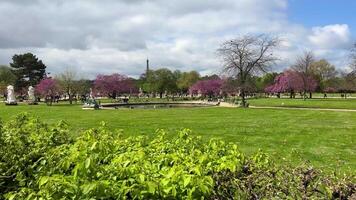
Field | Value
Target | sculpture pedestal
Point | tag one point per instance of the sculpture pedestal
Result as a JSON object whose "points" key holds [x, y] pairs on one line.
{"points": [[11, 103], [91, 104]]}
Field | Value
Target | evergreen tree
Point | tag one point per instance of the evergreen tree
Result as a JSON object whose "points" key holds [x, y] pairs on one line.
{"points": [[28, 69]]}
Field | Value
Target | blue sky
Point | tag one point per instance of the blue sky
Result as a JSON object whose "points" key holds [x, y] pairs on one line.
{"points": [[312, 13]]}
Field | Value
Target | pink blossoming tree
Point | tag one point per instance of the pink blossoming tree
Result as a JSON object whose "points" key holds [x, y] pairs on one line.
{"points": [[292, 82], [47, 88], [207, 87], [114, 84]]}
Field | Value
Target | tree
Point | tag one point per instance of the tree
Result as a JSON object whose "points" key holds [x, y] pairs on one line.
{"points": [[207, 87], [349, 83], [6, 75], [82, 86], [28, 69], [114, 84], [322, 71], [186, 80], [337, 83], [160, 81], [47, 88], [6, 78], [353, 58], [291, 81], [264, 81], [245, 56], [210, 77], [303, 66], [67, 82]]}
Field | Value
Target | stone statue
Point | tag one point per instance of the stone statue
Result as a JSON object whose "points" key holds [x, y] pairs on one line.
{"points": [[11, 100], [91, 103], [140, 92], [31, 95], [91, 96]]}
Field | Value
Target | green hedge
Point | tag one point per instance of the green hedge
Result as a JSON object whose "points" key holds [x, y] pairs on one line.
{"points": [[39, 161]]}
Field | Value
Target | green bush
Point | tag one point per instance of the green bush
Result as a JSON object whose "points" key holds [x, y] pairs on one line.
{"points": [[38, 161]]}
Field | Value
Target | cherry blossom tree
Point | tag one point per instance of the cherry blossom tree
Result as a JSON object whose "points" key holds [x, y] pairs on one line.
{"points": [[114, 84], [47, 88], [330, 90], [292, 81], [207, 87]]}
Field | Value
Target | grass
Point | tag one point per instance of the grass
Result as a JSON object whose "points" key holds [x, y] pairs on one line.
{"points": [[308, 103], [327, 139]]}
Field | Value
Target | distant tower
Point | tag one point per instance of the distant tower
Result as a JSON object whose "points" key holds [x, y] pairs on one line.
{"points": [[147, 66]]}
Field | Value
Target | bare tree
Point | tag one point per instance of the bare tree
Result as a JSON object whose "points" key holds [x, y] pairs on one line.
{"points": [[246, 56], [303, 66], [67, 83], [353, 59]]}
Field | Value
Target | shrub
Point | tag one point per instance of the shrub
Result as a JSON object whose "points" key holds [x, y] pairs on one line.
{"points": [[38, 161]]}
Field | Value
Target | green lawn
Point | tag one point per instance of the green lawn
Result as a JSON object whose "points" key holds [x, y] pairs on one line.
{"points": [[308, 103], [325, 138]]}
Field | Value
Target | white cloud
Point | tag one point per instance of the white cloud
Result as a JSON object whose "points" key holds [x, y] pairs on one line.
{"points": [[118, 35], [331, 36]]}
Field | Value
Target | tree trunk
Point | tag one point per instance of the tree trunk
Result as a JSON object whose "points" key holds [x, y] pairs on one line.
{"points": [[160, 95], [310, 95], [70, 98], [243, 98]]}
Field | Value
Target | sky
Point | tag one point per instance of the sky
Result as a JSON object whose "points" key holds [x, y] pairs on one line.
{"points": [[117, 36]]}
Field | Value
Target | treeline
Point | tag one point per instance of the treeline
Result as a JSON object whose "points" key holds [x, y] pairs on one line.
{"points": [[245, 70]]}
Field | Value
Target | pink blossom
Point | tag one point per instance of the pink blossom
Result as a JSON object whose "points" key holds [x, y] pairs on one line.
{"points": [[207, 87], [330, 90], [46, 87], [115, 83], [292, 81]]}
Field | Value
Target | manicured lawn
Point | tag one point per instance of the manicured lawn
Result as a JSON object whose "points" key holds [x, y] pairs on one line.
{"points": [[308, 103], [325, 138]]}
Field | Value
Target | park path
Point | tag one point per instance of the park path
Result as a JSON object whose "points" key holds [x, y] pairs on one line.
{"points": [[229, 105]]}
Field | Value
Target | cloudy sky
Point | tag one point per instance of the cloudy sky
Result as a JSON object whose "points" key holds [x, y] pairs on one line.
{"points": [[106, 36]]}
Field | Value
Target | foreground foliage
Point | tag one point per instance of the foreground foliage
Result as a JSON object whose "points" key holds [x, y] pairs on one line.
{"points": [[38, 161]]}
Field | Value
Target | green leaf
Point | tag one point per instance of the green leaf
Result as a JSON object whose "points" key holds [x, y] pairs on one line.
{"points": [[165, 182], [167, 190], [151, 187], [12, 196], [93, 146], [186, 180], [141, 178], [43, 181], [87, 188], [87, 163]]}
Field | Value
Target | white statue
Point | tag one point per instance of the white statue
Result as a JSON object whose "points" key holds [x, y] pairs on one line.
{"points": [[140, 92], [10, 95], [91, 103], [91, 96], [199, 93], [31, 94]]}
